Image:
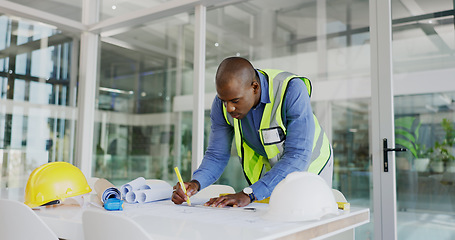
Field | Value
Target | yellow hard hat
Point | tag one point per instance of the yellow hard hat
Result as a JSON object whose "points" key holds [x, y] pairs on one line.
{"points": [[54, 181]]}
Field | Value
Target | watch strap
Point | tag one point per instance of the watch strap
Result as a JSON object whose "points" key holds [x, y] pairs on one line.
{"points": [[252, 197]]}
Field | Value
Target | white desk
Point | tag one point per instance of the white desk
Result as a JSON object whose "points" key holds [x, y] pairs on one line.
{"points": [[164, 220]]}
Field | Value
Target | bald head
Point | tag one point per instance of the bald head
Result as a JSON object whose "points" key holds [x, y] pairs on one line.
{"points": [[235, 68], [237, 86]]}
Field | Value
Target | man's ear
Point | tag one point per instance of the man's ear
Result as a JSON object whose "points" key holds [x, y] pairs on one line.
{"points": [[255, 86]]}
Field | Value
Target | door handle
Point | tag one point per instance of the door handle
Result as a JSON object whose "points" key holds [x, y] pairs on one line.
{"points": [[386, 150]]}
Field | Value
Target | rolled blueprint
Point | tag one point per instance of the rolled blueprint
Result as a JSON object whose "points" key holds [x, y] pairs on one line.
{"points": [[137, 184], [156, 191], [105, 190], [130, 197]]}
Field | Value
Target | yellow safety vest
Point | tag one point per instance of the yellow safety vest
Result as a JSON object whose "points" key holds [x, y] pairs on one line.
{"points": [[253, 163]]}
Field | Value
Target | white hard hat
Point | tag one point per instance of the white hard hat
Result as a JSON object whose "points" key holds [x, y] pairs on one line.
{"points": [[301, 196]]}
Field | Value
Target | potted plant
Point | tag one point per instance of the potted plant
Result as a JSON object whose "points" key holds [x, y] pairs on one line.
{"points": [[407, 135], [422, 158], [443, 152], [438, 157]]}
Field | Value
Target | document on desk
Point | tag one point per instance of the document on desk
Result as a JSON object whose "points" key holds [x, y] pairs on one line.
{"points": [[197, 212], [167, 220], [249, 208]]}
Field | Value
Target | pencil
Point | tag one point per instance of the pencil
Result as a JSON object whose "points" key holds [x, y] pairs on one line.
{"points": [[182, 185]]}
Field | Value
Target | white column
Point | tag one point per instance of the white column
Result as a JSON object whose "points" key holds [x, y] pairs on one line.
{"points": [[72, 96], [88, 63], [178, 91], [323, 109], [198, 86], [384, 184], [321, 38]]}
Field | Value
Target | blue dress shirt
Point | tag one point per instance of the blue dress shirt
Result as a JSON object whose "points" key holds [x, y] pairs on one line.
{"points": [[297, 117]]}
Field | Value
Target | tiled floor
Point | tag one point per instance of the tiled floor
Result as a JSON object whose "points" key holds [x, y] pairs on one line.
{"points": [[416, 226], [425, 206]]}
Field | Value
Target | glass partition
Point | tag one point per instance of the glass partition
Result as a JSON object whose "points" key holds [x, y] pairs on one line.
{"points": [[37, 103], [326, 41], [140, 129]]}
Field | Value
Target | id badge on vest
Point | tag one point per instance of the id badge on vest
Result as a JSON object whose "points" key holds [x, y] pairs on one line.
{"points": [[273, 135]]}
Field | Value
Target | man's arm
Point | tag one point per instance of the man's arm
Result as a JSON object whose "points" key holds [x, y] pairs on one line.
{"points": [[219, 148], [298, 118], [216, 157]]}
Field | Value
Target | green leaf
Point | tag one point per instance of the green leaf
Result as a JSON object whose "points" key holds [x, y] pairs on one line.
{"points": [[407, 145], [405, 122], [405, 134]]}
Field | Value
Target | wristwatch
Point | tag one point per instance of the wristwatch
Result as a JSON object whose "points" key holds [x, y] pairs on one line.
{"points": [[249, 192]]}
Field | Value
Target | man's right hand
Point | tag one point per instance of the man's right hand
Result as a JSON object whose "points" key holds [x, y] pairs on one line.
{"points": [[178, 196]]}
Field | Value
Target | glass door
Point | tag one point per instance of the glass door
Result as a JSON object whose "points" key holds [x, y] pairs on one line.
{"points": [[424, 105]]}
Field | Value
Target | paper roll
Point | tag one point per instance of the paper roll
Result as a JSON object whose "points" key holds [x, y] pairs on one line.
{"points": [[148, 193], [105, 190], [157, 192], [130, 197], [137, 184]]}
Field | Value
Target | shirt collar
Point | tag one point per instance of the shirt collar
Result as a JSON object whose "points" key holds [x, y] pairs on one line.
{"points": [[264, 88]]}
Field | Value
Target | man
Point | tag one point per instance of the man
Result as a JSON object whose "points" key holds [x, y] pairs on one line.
{"points": [[268, 112]]}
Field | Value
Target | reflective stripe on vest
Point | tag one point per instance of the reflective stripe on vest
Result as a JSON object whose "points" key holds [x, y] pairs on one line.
{"points": [[253, 163]]}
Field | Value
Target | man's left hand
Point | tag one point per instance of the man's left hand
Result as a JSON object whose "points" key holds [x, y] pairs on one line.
{"points": [[239, 199]]}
